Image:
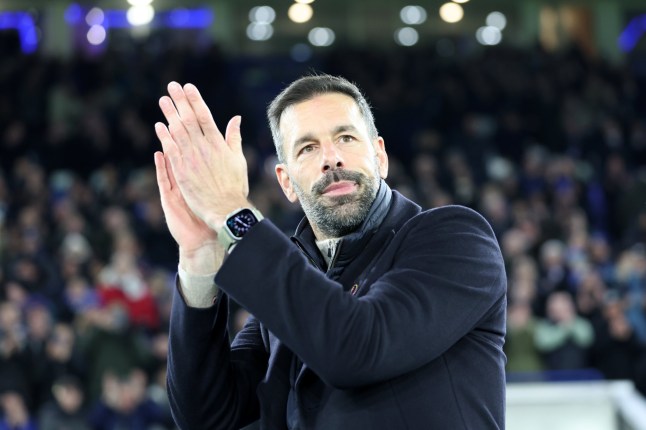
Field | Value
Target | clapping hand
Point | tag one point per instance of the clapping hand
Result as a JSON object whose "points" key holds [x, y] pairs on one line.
{"points": [[202, 175]]}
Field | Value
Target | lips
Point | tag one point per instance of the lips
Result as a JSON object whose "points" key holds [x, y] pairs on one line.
{"points": [[339, 182], [339, 188]]}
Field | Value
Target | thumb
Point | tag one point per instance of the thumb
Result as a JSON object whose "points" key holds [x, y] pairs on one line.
{"points": [[232, 134]]}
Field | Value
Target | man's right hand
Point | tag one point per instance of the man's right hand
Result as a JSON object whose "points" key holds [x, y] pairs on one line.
{"points": [[200, 252]]}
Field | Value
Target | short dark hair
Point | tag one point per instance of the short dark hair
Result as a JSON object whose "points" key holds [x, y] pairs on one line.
{"points": [[308, 87]]}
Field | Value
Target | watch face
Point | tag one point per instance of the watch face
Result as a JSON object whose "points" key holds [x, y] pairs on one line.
{"points": [[241, 222]]}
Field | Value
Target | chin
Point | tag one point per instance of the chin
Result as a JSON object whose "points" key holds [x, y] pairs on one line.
{"points": [[342, 200]]}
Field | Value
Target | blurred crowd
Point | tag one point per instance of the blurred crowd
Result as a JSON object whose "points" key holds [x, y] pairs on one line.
{"points": [[549, 147]]}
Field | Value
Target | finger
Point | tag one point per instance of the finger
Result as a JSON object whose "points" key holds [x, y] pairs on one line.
{"points": [[162, 168], [171, 149], [202, 113], [171, 176], [233, 135], [175, 124], [163, 181], [185, 111], [167, 142]]}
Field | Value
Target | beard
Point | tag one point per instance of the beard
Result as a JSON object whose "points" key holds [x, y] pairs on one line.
{"points": [[337, 216]]}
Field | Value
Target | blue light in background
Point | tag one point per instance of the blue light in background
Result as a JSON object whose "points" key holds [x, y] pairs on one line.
{"points": [[27, 31], [30, 37], [5, 21], [634, 31], [115, 19], [176, 18], [187, 18], [24, 23], [73, 14], [179, 17]]}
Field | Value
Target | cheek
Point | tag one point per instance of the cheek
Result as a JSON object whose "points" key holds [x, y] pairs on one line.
{"points": [[302, 176], [357, 152]]}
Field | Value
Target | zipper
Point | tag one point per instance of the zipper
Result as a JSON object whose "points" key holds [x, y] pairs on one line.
{"points": [[309, 257], [337, 251]]}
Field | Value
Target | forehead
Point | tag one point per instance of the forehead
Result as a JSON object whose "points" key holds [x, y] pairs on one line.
{"points": [[318, 115]]}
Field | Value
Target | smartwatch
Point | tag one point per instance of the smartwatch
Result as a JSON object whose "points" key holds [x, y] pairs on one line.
{"points": [[236, 225]]}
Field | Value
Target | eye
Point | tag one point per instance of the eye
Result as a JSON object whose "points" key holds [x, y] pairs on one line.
{"points": [[306, 149], [346, 138]]}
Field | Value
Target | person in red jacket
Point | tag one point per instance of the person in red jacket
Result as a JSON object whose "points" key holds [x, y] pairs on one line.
{"points": [[374, 315]]}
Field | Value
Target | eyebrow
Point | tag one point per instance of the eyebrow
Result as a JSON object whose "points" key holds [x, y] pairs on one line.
{"points": [[309, 137]]}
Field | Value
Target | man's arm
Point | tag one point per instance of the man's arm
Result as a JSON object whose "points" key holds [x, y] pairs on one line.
{"points": [[212, 385], [196, 272], [447, 275]]}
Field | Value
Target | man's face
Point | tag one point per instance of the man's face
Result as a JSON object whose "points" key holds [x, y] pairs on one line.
{"points": [[332, 166]]}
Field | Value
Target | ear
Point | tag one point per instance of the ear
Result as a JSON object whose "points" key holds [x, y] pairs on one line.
{"points": [[285, 182], [382, 157]]}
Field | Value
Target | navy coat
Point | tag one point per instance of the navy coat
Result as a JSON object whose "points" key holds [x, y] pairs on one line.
{"points": [[408, 334]]}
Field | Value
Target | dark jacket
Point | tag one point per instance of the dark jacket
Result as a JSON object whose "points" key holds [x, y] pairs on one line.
{"points": [[407, 333]]}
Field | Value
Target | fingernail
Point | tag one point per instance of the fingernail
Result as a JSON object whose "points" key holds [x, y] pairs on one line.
{"points": [[174, 86], [165, 101], [191, 91]]}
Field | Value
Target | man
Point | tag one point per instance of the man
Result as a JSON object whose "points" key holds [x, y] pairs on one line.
{"points": [[375, 315]]}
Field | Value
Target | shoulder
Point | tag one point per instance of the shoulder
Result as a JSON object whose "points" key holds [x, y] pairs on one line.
{"points": [[407, 217], [454, 210], [446, 232], [408, 209], [452, 217]]}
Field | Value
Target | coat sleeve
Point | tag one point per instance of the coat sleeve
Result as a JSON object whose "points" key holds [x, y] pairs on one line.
{"points": [[446, 276], [211, 382]]}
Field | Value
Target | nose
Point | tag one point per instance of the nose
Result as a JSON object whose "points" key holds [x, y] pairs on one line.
{"points": [[331, 158]]}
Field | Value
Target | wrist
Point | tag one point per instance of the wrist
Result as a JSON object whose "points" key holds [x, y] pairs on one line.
{"points": [[236, 225], [218, 217], [204, 260]]}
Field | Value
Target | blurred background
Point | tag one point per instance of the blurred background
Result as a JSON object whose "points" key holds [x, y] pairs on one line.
{"points": [[532, 112]]}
